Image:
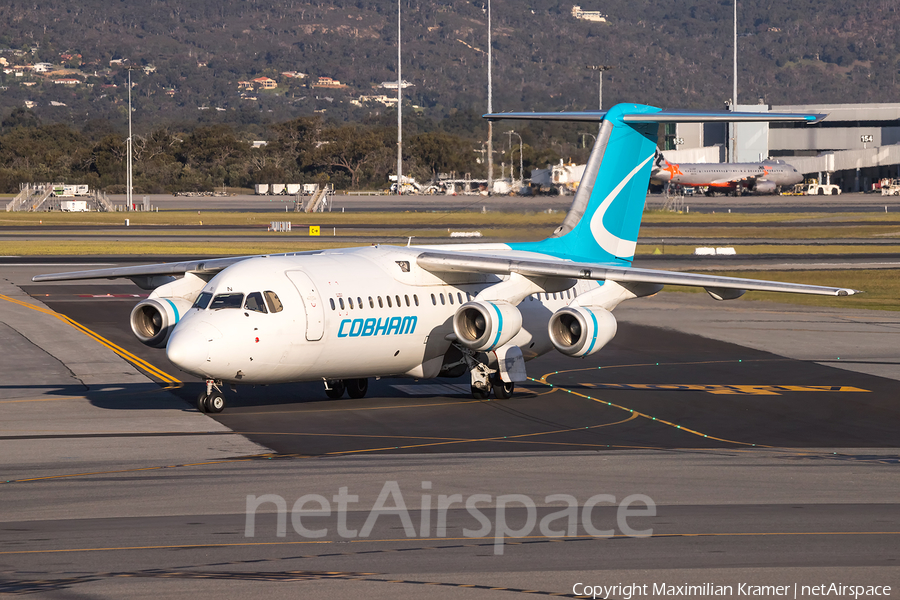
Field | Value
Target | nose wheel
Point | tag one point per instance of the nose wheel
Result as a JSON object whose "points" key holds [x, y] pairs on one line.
{"points": [[355, 388], [212, 400]]}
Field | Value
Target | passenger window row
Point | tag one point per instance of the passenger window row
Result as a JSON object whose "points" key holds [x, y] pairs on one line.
{"points": [[256, 301], [443, 301], [358, 303]]}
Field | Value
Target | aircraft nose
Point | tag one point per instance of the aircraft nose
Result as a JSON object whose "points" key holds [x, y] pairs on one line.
{"points": [[189, 345]]}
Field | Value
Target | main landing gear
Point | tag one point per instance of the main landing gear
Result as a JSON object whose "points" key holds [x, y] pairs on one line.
{"points": [[486, 376], [355, 388], [212, 400], [502, 390]]}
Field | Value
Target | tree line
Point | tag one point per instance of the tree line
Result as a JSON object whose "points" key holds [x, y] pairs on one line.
{"points": [[302, 150]]}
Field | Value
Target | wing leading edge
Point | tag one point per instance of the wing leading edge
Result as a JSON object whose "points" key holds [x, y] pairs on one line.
{"points": [[203, 266], [467, 263], [212, 265]]}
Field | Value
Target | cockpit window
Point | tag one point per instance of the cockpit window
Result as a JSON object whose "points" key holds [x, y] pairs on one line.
{"points": [[255, 302], [202, 301], [227, 301], [273, 302]]}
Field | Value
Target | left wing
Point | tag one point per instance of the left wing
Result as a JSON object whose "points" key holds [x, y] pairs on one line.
{"points": [[143, 275], [211, 265], [475, 263]]}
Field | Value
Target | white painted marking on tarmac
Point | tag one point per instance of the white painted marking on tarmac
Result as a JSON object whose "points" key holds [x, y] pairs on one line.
{"points": [[433, 389]]}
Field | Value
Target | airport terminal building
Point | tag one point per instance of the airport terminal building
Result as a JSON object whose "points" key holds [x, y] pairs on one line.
{"points": [[855, 145]]}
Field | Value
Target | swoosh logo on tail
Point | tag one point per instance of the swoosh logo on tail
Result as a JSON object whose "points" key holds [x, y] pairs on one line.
{"points": [[613, 244]]}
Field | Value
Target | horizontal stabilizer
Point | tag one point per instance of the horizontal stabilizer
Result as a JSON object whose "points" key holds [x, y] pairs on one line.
{"points": [[665, 116]]}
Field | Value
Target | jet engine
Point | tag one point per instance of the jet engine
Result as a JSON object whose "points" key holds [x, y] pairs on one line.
{"points": [[482, 325], [763, 186], [153, 319], [579, 331]]}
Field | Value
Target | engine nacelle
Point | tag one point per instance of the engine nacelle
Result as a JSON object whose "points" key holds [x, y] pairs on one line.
{"points": [[763, 186], [486, 325], [580, 331], [153, 319]]}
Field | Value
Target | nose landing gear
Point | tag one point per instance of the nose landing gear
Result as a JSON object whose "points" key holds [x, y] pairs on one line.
{"points": [[212, 400], [356, 388]]}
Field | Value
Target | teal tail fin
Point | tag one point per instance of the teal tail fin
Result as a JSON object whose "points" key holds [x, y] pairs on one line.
{"points": [[603, 223]]}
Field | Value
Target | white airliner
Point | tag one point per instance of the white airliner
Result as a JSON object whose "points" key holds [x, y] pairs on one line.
{"points": [[343, 316]]}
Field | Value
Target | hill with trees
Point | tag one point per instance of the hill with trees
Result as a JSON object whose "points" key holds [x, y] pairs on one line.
{"points": [[197, 107], [665, 53]]}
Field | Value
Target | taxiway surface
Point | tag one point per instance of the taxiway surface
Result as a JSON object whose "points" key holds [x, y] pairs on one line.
{"points": [[764, 434]]}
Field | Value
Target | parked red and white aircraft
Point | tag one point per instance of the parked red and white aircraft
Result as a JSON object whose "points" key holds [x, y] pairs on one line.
{"points": [[764, 177]]}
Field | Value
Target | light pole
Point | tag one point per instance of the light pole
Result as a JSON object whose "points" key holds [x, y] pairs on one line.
{"points": [[399, 111], [521, 171], [600, 68], [128, 197], [734, 99], [490, 108]]}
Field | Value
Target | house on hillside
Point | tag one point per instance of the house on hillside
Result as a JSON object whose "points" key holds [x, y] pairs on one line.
{"points": [[380, 98], [266, 83], [588, 15], [392, 85], [327, 82]]}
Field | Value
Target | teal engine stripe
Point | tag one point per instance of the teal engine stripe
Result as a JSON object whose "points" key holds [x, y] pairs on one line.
{"points": [[175, 308], [593, 339], [499, 324]]}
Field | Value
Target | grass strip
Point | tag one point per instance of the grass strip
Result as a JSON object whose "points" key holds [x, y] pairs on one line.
{"points": [[114, 248], [162, 218], [755, 249], [780, 233], [881, 287]]}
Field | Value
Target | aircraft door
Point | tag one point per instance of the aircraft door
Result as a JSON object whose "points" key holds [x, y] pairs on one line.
{"points": [[312, 303]]}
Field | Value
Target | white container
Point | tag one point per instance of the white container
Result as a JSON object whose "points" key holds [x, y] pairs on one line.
{"points": [[73, 206]]}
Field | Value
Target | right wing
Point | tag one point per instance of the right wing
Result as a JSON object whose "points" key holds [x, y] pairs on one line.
{"points": [[474, 263]]}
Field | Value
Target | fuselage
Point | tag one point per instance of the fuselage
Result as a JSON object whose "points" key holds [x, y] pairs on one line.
{"points": [[725, 174], [340, 314]]}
